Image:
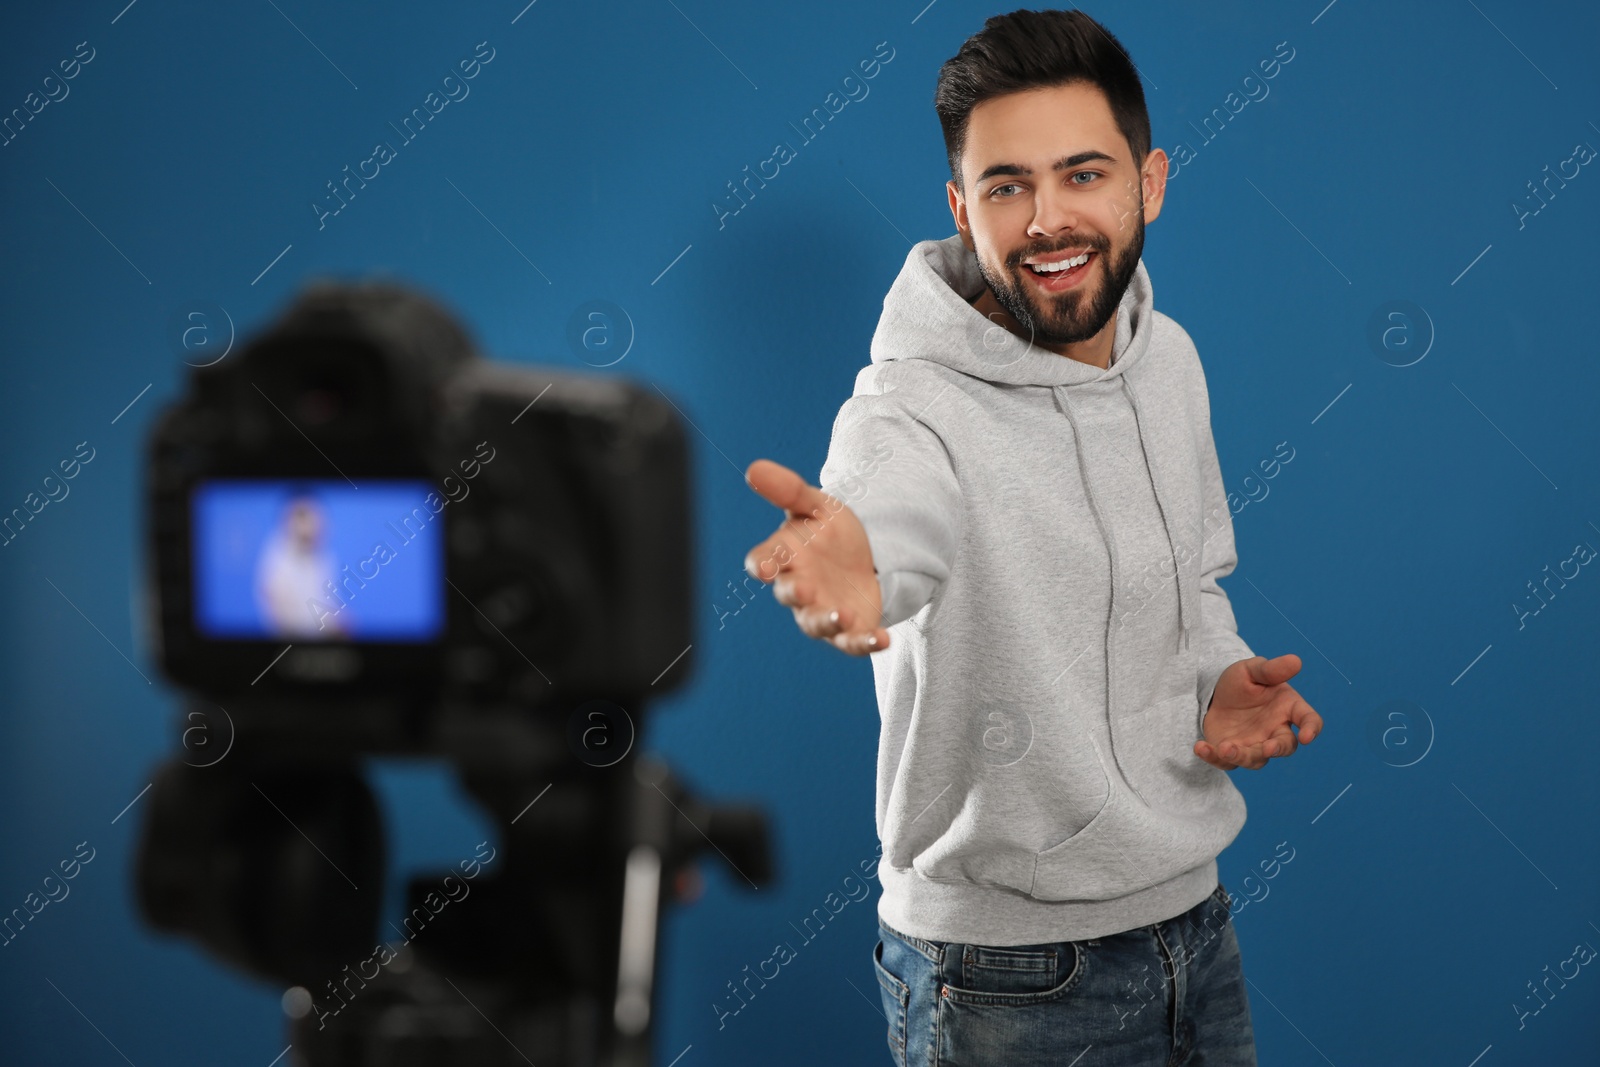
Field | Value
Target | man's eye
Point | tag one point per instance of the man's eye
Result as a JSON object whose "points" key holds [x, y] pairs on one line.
{"points": [[1009, 185], [1084, 173]]}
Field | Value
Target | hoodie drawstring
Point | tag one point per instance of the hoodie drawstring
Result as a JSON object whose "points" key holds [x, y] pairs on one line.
{"points": [[1064, 402], [1185, 608]]}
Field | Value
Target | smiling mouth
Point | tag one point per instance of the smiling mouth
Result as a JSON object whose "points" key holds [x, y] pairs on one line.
{"points": [[1062, 277], [1061, 266]]}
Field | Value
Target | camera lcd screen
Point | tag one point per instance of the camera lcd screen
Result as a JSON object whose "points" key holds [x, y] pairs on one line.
{"points": [[317, 560]]}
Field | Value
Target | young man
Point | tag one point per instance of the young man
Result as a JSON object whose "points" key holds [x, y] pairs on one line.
{"points": [[1021, 517]]}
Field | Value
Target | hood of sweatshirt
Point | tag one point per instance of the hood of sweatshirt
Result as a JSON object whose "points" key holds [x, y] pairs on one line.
{"points": [[927, 314]]}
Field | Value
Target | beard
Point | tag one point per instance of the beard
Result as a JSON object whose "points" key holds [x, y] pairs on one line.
{"points": [[1077, 314]]}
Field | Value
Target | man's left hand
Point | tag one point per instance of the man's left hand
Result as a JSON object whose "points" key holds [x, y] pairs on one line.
{"points": [[1252, 711]]}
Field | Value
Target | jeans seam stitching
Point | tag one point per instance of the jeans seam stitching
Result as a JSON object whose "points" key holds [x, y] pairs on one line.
{"points": [[929, 951], [1172, 1010]]}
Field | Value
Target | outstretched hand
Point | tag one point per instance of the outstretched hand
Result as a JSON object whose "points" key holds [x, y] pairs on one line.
{"points": [[819, 562], [1252, 711]]}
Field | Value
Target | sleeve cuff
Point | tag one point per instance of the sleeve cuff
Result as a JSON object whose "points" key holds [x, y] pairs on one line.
{"points": [[1208, 686]]}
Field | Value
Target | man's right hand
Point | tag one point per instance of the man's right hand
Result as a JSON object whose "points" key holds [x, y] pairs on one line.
{"points": [[819, 562]]}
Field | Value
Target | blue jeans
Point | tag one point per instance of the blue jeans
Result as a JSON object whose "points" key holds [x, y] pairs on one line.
{"points": [[1164, 995]]}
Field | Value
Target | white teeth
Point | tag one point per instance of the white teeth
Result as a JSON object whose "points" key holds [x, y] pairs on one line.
{"points": [[1065, 264]]}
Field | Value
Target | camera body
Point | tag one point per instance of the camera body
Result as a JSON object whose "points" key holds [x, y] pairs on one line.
{"points": [[453, 537]]}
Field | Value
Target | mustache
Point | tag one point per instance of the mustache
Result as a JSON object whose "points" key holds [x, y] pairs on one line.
{"points": [[1098, 247]]}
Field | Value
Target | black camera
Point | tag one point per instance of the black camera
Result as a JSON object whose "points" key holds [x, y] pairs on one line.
{"points": [[364, 539], [358, 506]]}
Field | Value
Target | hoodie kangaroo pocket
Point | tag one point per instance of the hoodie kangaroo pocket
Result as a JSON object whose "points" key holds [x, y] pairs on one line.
{"points": [[1025, 777], [1011, 815], [1155, 745], [1161, 764], [1132, 845], [1099, 862]]}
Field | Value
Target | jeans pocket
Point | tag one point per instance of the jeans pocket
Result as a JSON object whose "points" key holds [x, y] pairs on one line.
{"points": [[1017, 976], [895, 995]]}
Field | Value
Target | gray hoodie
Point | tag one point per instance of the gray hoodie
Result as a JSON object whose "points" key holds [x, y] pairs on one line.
{"points": [[1046, 674]]}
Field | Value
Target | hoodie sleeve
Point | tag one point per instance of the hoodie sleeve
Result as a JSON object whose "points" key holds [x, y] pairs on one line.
{"points": [[1218, 644], [888, 463]]}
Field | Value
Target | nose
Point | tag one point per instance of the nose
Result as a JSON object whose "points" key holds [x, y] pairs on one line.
{"points": [[1054, 212]]}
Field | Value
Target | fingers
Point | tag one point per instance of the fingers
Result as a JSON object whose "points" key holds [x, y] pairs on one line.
{"points": [[766, 560], [826, 623], [821, 623], [1250, 757], [1273, 671], [1307, 721], [773, 482], [1230, 755], [862, 644], [795, 587], [780, 551], [1208, 752], [783, 487], [778, 560], [833, 626], [792, 591], [776, 554], [1281, 743]]}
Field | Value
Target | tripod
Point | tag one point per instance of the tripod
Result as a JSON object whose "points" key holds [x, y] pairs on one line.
{"points": [[544, 950]]}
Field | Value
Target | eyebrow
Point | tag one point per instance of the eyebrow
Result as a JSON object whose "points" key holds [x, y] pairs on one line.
{"points": [[1064, 163]]}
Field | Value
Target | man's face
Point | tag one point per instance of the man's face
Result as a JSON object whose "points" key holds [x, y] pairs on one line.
{"points": [[1048, 176], [305, 524]]}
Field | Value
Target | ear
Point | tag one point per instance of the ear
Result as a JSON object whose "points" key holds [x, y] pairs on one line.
{"points": [[958, 211], [1153, 176]]}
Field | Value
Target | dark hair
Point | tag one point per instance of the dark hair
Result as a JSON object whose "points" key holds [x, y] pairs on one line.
{"points": [[1035, 49]]}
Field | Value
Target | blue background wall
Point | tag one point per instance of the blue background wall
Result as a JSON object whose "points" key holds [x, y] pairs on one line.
{"points": [[1442, 858]]}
